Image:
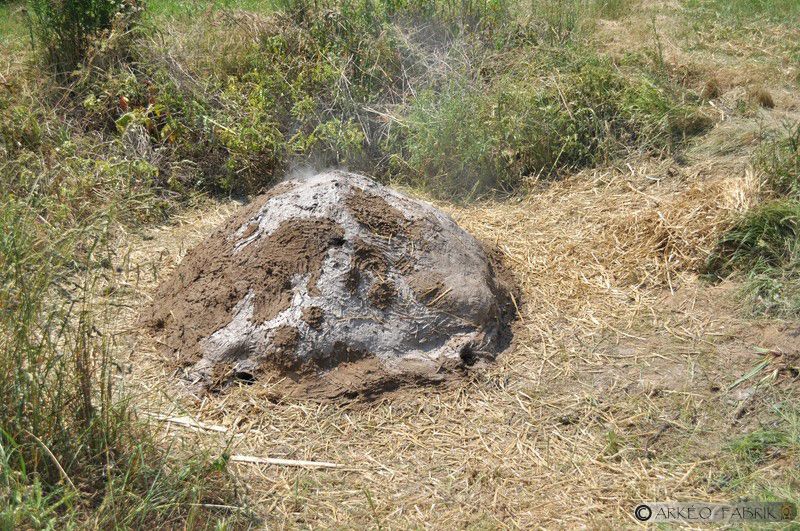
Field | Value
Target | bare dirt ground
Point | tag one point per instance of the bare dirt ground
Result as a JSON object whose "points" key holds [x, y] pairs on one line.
{"points": [[628, 373]]}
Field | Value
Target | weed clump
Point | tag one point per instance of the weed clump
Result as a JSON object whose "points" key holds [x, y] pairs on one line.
{"points": [[582, 112], [463, 101], [775, 442], [70, 450], [779, 161], [766, 237], [65, 29], [764, 244]]}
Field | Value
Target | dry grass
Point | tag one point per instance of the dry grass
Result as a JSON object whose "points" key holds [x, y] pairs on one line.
{"points": [[606, 397], [615, 390], [704, 53], [589, 247], [618, 386]]}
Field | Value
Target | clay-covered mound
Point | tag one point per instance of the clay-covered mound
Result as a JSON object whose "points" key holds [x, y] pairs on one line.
{"points": [[342, 285]]}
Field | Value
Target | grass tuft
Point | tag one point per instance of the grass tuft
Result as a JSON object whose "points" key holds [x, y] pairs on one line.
{"points": [[71, 448], [747, 11], [764, 244], [580, 113], [777, 444], [779, 161]]}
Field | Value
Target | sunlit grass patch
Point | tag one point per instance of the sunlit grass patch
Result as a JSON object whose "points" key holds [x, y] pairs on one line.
{"points": [[765, 31], [779, 160], [764, 244], [749, 11], [564, 111], [13, 27], [71, 448], [761, 463]]}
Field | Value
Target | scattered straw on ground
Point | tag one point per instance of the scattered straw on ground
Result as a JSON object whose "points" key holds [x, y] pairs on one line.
{"points": [[610, 394]]}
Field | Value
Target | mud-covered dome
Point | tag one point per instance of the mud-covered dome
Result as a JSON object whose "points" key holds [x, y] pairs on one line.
{"points": [[346, 286]]}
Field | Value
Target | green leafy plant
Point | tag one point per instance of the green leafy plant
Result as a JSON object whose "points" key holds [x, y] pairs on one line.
{"points": [[65, 28], [472, 139]]}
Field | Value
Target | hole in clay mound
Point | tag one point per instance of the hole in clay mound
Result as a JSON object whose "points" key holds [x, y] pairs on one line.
{"points": [[468, 356], [244, 377]]}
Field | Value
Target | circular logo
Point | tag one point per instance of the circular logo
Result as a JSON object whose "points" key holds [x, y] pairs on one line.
{"points": [[643, 513]]}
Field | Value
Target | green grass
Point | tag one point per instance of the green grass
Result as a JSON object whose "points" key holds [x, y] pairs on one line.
{"points": [[751, 468], [765, 237], [73, 453], [463, 100], [582, 112], [13, 28], [746, 12], [66, 29], [764, 245], [71, 449], [763, 31], [779, 160]]}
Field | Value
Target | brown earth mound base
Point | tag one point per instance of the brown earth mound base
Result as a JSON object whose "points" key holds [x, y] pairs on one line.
{"points": [[333, 286]]}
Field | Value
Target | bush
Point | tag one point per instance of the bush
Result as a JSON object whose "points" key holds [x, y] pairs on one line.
{"points": [[65, 28], [478, 139], [462, 98]]}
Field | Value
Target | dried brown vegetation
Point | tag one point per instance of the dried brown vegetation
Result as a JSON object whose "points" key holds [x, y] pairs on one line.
{"points": [[633, 375]]}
